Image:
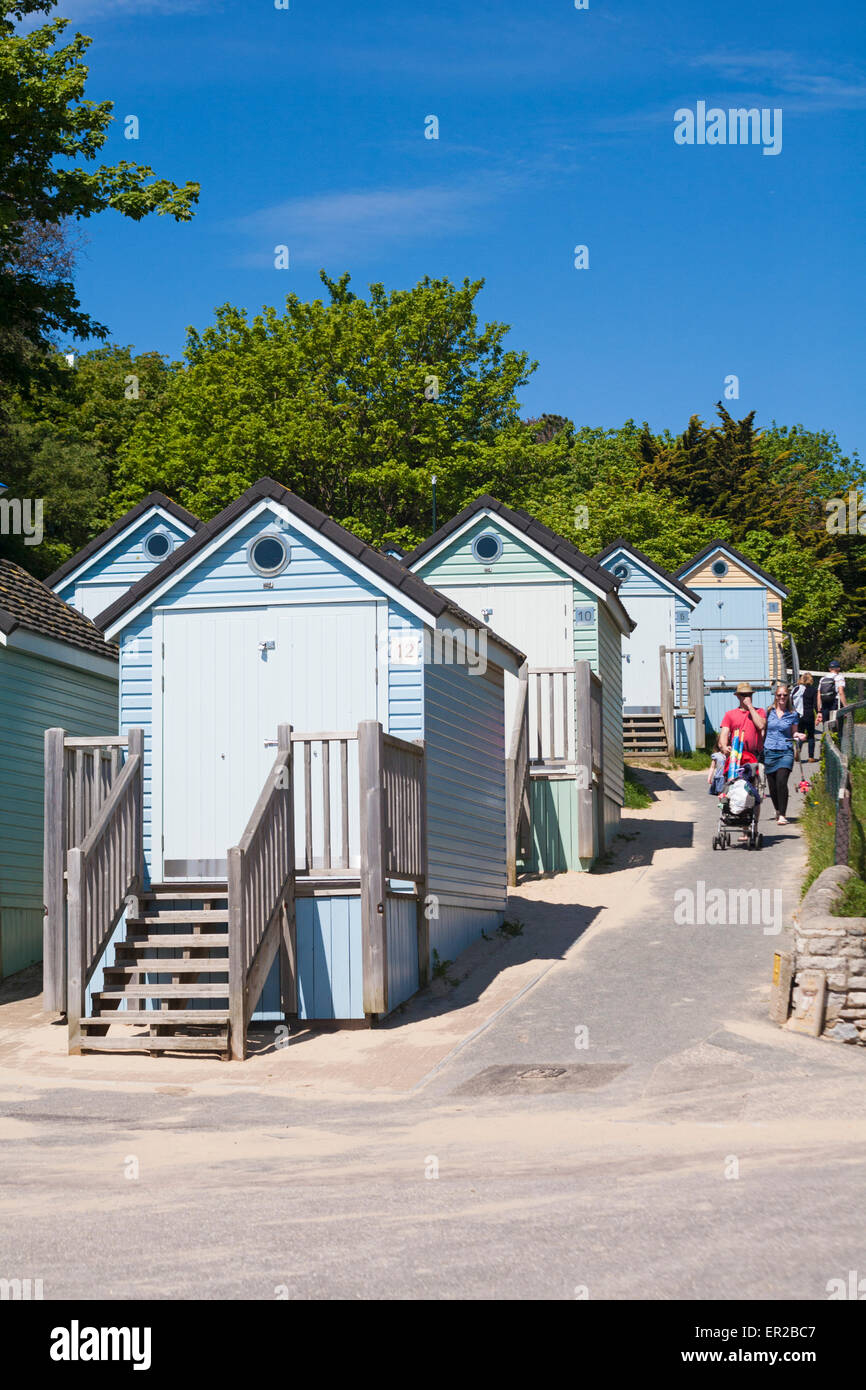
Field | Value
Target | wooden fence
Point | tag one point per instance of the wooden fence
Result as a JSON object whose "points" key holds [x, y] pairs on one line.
{"points": [[681, 674], [325, 802], [79, 775], [102, 871], [551, 700]]}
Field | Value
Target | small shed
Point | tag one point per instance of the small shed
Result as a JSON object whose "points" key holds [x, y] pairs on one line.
{"points": [[739, 623], [563, 609], [118, 557], [660, 605], [315, 768], [55, 668]]}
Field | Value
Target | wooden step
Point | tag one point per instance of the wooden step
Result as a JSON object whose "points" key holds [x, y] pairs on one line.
{"points": [[185, 890], [193, 990], [165, 965], [183, 916], [181, 941], [200, 1017], [183, 1042]]}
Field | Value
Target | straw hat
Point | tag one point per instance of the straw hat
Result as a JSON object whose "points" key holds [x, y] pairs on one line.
{"points": [[744, 689]]}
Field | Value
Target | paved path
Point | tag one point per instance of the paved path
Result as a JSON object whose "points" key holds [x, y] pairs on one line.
{"points": [[690, 1150]]}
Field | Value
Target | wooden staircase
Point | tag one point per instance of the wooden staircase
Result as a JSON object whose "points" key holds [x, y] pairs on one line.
{"points": [[643, 736], [168, 990]]}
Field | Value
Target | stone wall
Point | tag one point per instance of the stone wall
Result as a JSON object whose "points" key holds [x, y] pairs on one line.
{"points": [[836, 946]]}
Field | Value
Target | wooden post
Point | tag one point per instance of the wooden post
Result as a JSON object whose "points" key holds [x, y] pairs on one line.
{"points": [[667, 698], [422, 920], [288, 927], [237, 954], [135, 745], [597, 686], [373, 893], [583, 756], [513, 773], [75, 987], [53, 866], [698, 697]]}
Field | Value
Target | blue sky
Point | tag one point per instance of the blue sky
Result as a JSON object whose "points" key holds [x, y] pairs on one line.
{"points": [[556, 125]]}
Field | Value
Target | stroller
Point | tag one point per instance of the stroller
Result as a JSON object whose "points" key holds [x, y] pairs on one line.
{"points": [[738, 808]]}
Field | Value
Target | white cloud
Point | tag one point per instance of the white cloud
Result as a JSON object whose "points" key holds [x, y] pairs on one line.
{"points": [[332, 225]]}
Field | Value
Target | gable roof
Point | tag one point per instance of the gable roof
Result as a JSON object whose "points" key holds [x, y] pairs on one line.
{"points": [[555, 545], [27, 603], [741, 559], [621, 544], [153, 499], [384, 567]]}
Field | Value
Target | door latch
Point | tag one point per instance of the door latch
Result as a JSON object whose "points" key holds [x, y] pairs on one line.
{"points": [[266, 646], [270, 743]]}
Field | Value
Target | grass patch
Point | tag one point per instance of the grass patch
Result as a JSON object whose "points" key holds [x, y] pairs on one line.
{"points": [[636, 795], [853, 900], [511, 929], [698, 761], [819, 828]]}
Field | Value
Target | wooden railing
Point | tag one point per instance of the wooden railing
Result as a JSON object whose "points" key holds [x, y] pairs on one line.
{"points": [[324, 804], [590, 761], [682, 689], [517, 804], [393, 846], [101, 871], [405, 808], [551, 714], [79, 774], [261, 896]]}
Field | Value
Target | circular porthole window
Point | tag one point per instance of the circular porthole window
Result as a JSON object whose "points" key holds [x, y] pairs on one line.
{"points": [[487, 548], [268, 555], [621, 572], [157, 545], [720, 568]]}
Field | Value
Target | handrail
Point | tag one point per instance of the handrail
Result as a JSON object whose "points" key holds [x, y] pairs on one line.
{"points": [[517, 811], [101, 872], [261, 893]]}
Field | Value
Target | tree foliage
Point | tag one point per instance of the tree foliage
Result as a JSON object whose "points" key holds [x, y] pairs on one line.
{"points": [[49, 133]]}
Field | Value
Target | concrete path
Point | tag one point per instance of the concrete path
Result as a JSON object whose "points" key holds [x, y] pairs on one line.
{"points": [[599, 1108]]}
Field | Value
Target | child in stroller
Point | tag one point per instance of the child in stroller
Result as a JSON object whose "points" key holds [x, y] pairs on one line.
{"points": [[740, 807]]}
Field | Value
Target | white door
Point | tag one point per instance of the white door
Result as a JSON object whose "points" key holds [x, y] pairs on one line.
{"points": [[230, 677], [641, 684], [536, 618]]}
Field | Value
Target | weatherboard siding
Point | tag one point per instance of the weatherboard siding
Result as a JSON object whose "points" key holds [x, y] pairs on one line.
{"points": [[35, 694], [465, 801], [124, 561], [610, 670], [455, 563]]}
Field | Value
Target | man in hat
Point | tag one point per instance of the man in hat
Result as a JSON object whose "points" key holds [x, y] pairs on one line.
{"points": [[831, 692], [748, 720]]}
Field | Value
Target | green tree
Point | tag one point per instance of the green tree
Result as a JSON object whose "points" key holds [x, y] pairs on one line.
{"points": [[352, 402], [49, 132]]}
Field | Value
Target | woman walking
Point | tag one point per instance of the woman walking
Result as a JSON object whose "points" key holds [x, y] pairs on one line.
{"points": [[806, 725], [779, 749]]}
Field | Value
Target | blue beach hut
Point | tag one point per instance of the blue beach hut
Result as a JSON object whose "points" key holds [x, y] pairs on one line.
{"points": [[312, 803], [114, 560]]}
